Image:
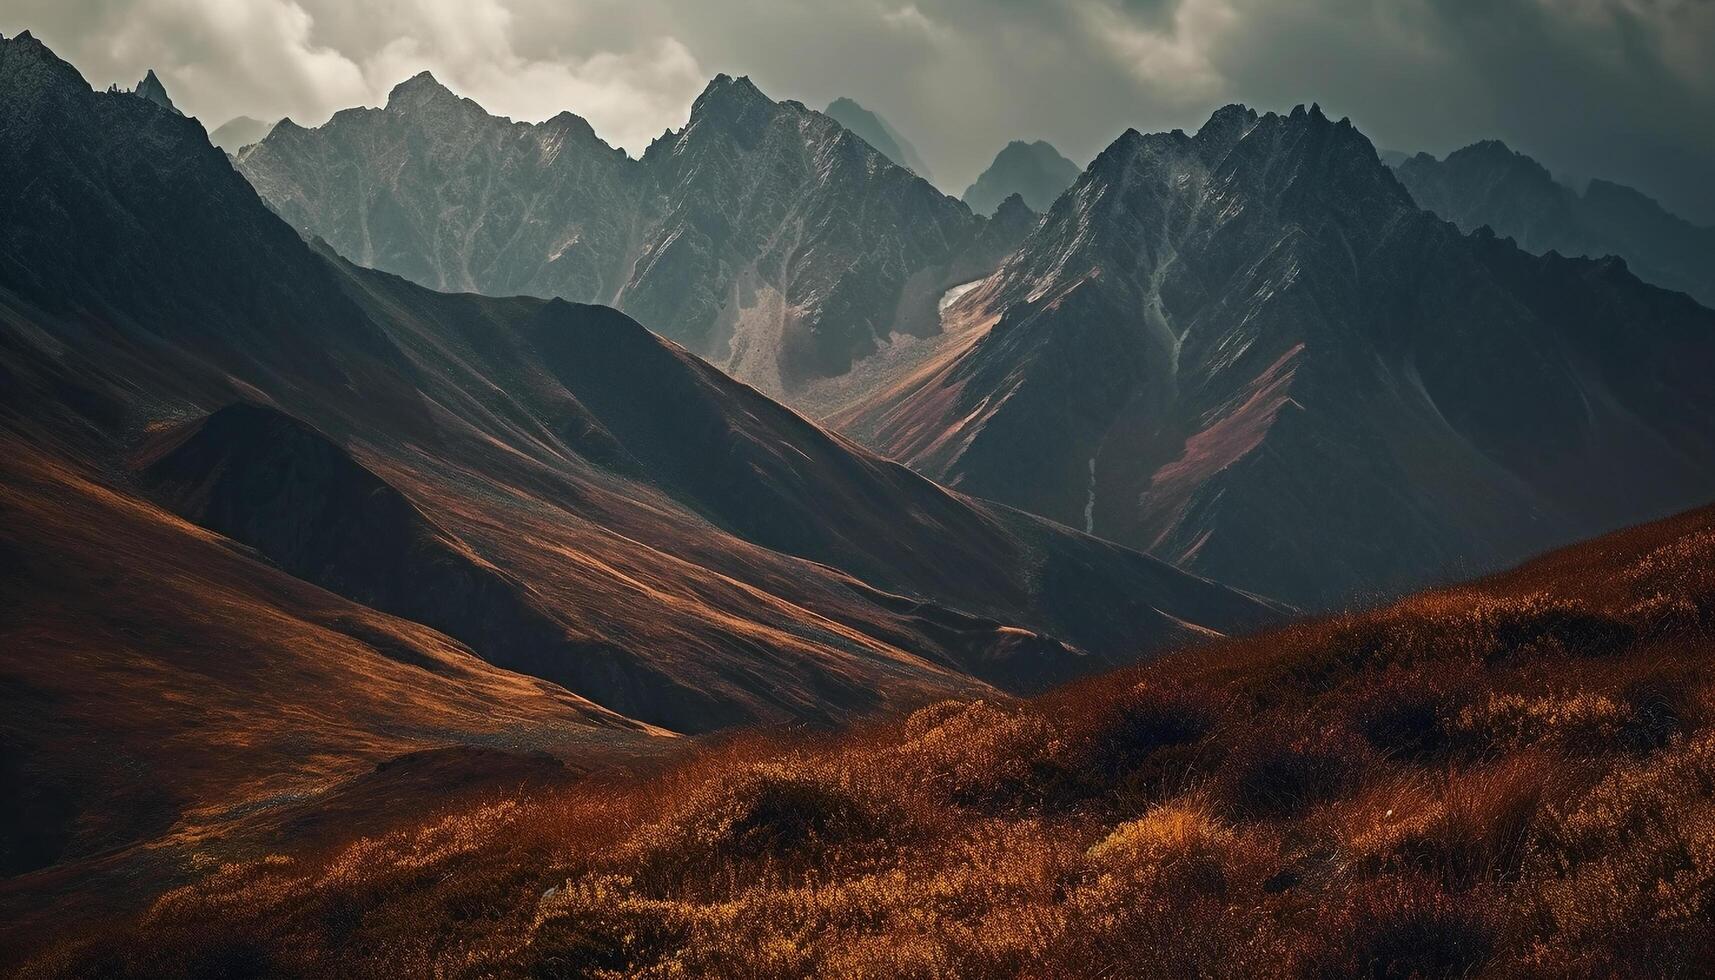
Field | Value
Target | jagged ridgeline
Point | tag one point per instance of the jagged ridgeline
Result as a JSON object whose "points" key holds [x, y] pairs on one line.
{"points": [[1249, 352], [763, 236]]}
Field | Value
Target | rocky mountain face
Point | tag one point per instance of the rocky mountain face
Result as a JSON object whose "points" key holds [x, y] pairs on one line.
{"points": [[1034, 171], [335, 510], [763, 236], [434, 189], [1489, 184], [239, 132], [1250, 353], [877, 132]]}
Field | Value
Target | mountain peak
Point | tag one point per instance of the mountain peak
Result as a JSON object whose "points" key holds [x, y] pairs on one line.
{"points": [[420, 90], [1034, 172], [151, 88], [729, 96], [1228, 124]]}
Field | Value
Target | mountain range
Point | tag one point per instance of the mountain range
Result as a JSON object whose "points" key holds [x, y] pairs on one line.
{"points": [[1489, 184], [348, 517], [1248, 352], [763, 236], [433, 543], [1034, 171], [1230, 353]]}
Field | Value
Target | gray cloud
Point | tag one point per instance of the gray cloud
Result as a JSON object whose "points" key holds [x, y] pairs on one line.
{"points": [[1616, 88]]}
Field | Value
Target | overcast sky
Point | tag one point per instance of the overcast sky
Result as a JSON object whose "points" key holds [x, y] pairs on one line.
{"points": [[1616, 88]]}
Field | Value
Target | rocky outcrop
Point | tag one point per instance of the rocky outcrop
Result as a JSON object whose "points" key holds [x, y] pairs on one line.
{"points": [[150, 89]]}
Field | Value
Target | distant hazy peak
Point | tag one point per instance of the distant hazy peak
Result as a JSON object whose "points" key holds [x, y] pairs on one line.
{"points": [[869, 126], [1035, 172], [239, 132]]}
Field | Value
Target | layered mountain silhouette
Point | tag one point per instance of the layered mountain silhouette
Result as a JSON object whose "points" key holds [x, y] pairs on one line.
{"points": [[763, 236], [877, 132], [333, 513], [1034, 171], [1489, 184], [1250, 353]]}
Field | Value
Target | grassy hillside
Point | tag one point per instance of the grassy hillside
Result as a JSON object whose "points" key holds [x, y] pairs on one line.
{"points": [[1513, 777]]}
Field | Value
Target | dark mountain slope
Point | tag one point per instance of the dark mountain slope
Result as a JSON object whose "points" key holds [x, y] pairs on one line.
{"points": [[1489, 184], [264, 479], [161, 682], [1248, 352]]}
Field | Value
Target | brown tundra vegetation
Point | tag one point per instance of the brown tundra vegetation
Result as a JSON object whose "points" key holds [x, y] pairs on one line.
{"points": [[1514, 777]]}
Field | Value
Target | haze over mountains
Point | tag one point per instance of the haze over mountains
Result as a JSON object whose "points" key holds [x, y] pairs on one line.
{"points": [[290, 476], [1250, 353], [1489, 184], [763, 236]]}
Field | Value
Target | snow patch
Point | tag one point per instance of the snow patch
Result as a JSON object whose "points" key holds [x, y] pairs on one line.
{"points": [[953, 295], [1090, 501]]}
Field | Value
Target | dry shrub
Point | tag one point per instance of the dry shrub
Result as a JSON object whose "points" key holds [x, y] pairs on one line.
{"points": [[1404, 713], [1460, 830], [1178, 849], [985, 756], [1629, 867], [1398, 928], [1145, 718], [1544, 627], [1176, 892], [1275, 775], [775, 817], [1581, 723]]}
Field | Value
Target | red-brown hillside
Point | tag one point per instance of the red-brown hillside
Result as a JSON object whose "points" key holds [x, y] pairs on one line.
{"points": [[1514, 777]]}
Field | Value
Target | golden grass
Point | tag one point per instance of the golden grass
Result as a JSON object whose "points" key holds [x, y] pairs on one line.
{"points": [[1507, 779]]}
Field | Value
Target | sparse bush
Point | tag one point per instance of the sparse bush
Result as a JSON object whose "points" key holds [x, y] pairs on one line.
{"points": [[1276, 776], [1403, 713], [1582, 723], [1467, 829], [776, 817], [1399, 928]]}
